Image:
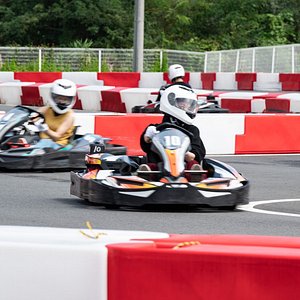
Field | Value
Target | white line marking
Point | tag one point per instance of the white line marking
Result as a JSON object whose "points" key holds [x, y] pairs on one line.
{"points": [[251, 207]]}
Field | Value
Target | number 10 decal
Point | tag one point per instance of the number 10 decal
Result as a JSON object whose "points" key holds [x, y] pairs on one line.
{"points": [[172, 141]]}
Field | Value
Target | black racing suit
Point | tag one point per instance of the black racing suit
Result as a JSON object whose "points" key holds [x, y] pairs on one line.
{"points": [[164, 87], [197, 145]]}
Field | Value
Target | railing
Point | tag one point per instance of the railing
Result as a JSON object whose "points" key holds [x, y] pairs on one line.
{"points": [[275, 59]]}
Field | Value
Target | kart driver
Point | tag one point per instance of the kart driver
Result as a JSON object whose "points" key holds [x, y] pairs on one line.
{"points": [[179, 105], [176, 74], [58, 126]]}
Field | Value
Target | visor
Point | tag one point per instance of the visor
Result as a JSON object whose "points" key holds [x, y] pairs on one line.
{"points": [[186, 104], [63, 100]]}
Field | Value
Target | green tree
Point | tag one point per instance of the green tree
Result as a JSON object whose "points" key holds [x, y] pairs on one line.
{"points": [[196, 25]]}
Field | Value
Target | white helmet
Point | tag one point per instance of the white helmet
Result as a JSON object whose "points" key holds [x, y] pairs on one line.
{"points": [[176, 71], [180, 102], [63, 92]]}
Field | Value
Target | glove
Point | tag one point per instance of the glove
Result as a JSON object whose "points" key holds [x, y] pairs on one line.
{"points": [[41, 125], [151, 132]]}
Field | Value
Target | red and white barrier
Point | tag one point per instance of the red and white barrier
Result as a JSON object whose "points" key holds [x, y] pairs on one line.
{"points": [[95, 264], [221, 133], [57, 263], [120, 91]]}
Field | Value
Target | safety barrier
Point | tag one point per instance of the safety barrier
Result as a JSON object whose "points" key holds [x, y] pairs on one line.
{"points": [[205, 267], [75, 264], [120, 91], [56, 263], [221, 133]]}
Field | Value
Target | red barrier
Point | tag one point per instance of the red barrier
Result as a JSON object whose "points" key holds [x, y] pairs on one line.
{"points": [[208, 80], [269, 134], [31, 95], [278, 105], [289, 82], [44, 77], [245, 80], [190, 269], [236, 105], [185, 79], [78, 104], [125, 130], [238, 240], [126, 79], [112, 101]]}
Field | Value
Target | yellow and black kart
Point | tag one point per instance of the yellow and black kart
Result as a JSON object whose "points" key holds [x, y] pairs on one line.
{"points": [[116, 181]]}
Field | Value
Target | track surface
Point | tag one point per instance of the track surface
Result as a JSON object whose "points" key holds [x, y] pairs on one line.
{"points": [[43, 199]]}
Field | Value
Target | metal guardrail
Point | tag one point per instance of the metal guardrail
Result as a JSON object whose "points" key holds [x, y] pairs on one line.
{"points": [[275, 59]]}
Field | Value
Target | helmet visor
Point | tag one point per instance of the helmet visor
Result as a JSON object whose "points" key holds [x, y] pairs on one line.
{"points": [[62, 101], [188, 105]]}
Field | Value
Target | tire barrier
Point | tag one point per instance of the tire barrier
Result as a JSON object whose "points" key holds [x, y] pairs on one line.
{"points": [[95, 264]]}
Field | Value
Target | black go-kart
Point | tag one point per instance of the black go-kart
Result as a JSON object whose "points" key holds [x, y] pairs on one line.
{"points": [[118, 181], [19, 135], [209, 105]]}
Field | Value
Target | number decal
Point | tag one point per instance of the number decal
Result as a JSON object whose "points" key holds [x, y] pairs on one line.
{"points": [[172, 141]]}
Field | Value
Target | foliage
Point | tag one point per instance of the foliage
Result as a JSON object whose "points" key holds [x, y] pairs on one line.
{"points": [[195, 25]]}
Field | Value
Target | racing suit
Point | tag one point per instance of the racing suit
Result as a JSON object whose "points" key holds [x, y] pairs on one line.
{"points": [[197, 146]]}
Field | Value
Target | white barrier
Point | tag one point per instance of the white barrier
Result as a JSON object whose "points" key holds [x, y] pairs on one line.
{"points": [[44, 91], [195, 81], [218, 131], [7, 76], [136, 96], [241, 95], [294, 101], [55, 263], [87, 78], [91, 97], [11, 92], [225, 81], [151, 80], [267, 82]]}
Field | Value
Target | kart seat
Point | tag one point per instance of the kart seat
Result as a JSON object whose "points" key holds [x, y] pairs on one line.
{"points": [[150, 175]]}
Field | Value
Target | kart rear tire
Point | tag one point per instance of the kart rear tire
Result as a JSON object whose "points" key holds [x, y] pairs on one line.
{"points": [[136, 109], [227, 208]]}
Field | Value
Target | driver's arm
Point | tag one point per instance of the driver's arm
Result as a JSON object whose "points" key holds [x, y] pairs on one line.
{"points": [[62, 129]]}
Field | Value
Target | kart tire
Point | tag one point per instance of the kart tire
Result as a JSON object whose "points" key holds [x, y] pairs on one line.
{"points": [[227, 208], [136, 109]]}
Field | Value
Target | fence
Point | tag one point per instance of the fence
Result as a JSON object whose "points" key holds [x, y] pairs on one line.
{"points": [[275, 59]]}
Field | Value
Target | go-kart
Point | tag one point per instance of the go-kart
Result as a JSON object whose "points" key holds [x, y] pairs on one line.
{"points": [[208, 105], [19, 135], [116, 181]]}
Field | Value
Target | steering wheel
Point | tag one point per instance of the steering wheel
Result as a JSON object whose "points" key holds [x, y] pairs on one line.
{"points": [[170, 125], [33, 116]]}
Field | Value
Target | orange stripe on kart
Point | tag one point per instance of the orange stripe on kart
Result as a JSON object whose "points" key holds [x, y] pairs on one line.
{"points": [[172, 155]]}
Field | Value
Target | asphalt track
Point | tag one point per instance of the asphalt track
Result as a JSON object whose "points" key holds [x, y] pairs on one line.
{"points": [[43, 199]]}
